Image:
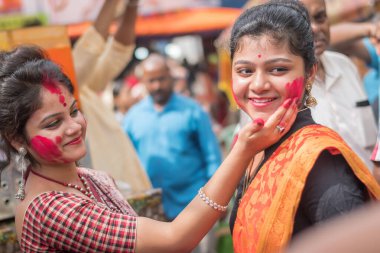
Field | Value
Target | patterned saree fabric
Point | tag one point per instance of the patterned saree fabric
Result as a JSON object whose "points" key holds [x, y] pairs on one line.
{"points": [[266, 213]]}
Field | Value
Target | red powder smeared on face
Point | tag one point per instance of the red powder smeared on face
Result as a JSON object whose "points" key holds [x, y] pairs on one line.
{"points": [[295, 88], [58, 139], [62, 100], [54, 89], [45, 148]]}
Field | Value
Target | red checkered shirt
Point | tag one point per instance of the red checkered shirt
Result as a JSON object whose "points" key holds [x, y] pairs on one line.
{"points": [[64, 222]]}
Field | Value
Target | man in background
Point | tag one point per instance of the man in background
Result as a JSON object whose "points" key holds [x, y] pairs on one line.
{"points": [[173, 137]]}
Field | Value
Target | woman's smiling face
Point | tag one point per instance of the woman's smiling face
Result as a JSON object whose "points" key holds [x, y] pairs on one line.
{"points": [[264, 75], [56, 131]]}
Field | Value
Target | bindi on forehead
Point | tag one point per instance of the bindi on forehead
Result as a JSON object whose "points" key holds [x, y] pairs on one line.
{"points": [[53, 88]]}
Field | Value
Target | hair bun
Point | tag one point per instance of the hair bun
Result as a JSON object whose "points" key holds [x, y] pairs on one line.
{"points": [[10, 61]]}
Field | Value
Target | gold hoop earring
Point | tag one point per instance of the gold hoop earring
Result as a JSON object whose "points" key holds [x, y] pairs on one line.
{"points": [[310, 100]]}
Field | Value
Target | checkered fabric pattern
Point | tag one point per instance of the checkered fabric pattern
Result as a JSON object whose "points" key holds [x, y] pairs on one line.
{"points": [[63, 222]]}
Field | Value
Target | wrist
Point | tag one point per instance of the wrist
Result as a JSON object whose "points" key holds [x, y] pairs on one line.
{"points": [[371, 30], [243, 152], [133, 3]]}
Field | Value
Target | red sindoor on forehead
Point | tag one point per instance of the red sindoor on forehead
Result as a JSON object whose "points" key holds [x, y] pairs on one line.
{"points": [[54, 89]]}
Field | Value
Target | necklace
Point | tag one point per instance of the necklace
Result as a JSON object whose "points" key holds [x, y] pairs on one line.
{"points": [[86, 191]]}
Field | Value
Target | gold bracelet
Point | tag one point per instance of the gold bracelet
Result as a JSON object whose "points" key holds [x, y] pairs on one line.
{"points": [[210, 202]]}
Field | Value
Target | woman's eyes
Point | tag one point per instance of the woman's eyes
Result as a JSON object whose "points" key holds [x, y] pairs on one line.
{"points": [[52, 124], [244, 71], [275, 70], [57, 121], [278, 70], [74, 112]]}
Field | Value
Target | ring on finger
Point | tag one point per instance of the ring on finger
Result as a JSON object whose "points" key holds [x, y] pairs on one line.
{"points": [[280, 128]]}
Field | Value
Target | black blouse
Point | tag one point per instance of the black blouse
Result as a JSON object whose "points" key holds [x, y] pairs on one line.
{"points": [[331, 187]]}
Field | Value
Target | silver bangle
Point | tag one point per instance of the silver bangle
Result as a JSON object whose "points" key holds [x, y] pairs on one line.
{"points": [[210, 202]]}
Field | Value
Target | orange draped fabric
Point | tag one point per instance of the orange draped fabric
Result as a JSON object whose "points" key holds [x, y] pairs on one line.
{"points": [[265, 218]]}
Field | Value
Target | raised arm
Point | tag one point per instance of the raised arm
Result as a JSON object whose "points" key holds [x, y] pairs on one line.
{"points": [[125, 34], [118, 51], [105, 18], [184, 233], [92, 42], [347, 38], [97, 62]]}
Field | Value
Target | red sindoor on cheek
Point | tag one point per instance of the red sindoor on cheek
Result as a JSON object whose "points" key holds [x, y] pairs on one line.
{"points": [[58, 139], [54, 89], [295, 88], [46, 148]]}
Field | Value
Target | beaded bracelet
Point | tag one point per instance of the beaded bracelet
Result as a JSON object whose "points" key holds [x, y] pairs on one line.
{"points": [[210, 202]]}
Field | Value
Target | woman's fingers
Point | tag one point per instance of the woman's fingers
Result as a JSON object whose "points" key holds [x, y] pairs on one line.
{"points": [[250, 129], [288, 119], [278, 123], [260, 135], [283, 118]]}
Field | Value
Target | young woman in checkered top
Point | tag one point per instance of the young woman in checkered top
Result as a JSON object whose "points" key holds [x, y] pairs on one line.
{"points": [[65, 208]]}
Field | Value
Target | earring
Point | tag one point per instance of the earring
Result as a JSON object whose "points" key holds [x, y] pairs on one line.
{"points": [[310, 100], [21, 165]]}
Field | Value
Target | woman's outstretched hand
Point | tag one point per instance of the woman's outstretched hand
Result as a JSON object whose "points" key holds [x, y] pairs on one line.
{"points": [[259, 135]]}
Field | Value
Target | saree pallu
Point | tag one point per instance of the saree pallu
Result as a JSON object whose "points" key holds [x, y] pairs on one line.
{"points": [[105, 191], [265, 217]]}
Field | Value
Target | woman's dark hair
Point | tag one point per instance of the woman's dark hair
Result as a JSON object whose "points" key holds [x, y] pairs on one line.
{"points": [[23, 71], [286, 21]]}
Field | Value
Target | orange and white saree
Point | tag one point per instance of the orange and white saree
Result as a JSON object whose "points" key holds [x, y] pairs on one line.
{"points": [[265, 217]]}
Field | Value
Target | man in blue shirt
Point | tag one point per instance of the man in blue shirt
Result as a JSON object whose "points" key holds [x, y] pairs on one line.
{"points": [[173, 137]]}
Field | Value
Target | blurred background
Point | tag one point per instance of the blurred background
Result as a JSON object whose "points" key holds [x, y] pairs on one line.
{"points": [[193, 33]]}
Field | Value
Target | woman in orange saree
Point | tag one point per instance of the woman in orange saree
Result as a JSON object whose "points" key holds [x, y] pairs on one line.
{"points": [[310, 174]]}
